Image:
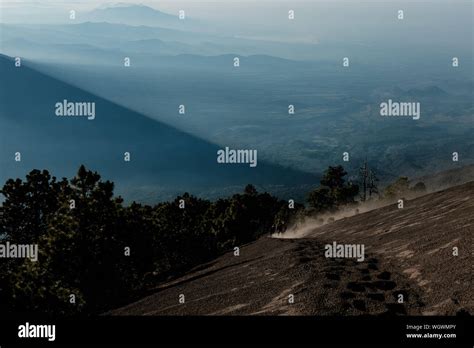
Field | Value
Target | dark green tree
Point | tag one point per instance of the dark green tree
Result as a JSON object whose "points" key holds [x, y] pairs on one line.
{"points": [[28, 206], [96, 254], [333, 192]]}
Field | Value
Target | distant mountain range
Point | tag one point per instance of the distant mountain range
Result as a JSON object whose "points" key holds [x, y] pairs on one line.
{"points": [[137, 15], [173, 40], [337, 108]]}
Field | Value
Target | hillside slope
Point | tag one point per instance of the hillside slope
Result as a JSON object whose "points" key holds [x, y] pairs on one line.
{"points": [[408, 252], [418, 240]]}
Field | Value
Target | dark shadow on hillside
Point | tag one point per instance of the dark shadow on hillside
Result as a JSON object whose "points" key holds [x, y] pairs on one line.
{"points": [[161, 156]]}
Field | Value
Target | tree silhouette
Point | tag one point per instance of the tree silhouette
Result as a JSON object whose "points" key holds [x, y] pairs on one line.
{"points": [[333, 192], [28, 204], [368, 180], [96, 254]]}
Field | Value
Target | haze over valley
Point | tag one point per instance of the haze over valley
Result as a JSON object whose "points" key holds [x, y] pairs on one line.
{"points": [[283, 64]]}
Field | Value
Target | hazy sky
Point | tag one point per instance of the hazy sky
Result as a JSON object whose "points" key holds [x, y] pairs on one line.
{"points": [[433, 21]]}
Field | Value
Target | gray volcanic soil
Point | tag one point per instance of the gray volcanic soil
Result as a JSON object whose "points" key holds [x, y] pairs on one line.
{"points": [[408, 251], [418, 241]]}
